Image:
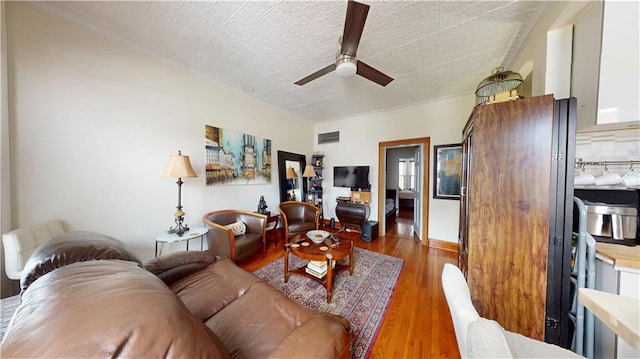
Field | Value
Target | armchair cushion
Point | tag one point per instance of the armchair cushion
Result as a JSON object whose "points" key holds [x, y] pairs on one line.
{"points": [[297, 225], [487, 340], [525, 347]]}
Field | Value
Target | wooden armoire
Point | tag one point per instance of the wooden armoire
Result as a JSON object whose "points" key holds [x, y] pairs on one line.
{"points": [[516, 214]]}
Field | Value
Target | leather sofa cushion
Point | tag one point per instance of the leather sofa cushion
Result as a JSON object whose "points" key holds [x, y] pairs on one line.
{"points": [[300, 343], [174, 266], [210, 290], [70, 248], [105, 308], [278, 316], [247, 314]]}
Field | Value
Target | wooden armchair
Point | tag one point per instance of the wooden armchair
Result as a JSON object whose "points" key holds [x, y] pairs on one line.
{"points": [[221, 239], [298, 217]]}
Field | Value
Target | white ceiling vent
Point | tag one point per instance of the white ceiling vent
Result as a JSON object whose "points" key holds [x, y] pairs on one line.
{"points": [[329, 137]]}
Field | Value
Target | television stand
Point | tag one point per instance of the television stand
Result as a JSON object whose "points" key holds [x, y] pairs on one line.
{"points": [[352, 214]]}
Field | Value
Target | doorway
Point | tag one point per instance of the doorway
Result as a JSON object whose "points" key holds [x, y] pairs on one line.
{"points": [[421, 203]]}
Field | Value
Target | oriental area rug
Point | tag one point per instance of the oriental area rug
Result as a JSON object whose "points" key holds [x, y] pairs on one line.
{"points": [[362, 298]]}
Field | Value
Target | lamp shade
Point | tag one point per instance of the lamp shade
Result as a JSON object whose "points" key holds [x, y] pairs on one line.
{"points": [[309, 171], [499, 81], [291, 173], [179, 167]]}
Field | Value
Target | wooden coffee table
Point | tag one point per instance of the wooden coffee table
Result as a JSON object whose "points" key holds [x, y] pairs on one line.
{"points": [[325, 251]]}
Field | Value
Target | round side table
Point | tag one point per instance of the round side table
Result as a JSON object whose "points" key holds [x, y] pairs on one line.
{"points": [[192, 233]]}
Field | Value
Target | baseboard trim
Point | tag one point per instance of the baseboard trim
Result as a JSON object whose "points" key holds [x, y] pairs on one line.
{"points": [[444, 245]]}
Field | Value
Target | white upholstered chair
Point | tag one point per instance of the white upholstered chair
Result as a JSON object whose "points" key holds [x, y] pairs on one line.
{"points": [[20, 243], [479, 337]]}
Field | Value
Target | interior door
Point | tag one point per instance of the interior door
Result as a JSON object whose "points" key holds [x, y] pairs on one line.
{"points": [[417, 194]]}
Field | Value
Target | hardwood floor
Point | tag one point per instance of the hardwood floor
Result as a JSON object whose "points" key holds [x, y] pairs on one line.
{"points": [[417, 323]]}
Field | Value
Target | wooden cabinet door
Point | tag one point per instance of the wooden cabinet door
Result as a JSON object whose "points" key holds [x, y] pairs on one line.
{"points": [[508, 212], [467, 148]]}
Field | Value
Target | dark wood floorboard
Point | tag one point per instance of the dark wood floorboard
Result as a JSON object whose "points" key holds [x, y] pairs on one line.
{"points": [[417, 323]]}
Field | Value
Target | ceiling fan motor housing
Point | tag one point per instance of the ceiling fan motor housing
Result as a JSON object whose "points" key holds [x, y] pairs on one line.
{"points": [[346, 65]]}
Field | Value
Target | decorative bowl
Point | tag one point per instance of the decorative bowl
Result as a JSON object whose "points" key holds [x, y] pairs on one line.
{"points": [[318, 236]]}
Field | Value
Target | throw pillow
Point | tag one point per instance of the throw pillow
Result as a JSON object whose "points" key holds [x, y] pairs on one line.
{"points": [[238, 228], [486, 339]]}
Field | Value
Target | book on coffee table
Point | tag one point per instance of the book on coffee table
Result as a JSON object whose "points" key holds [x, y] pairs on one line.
{"points": [[316, 274], [318, 266]]}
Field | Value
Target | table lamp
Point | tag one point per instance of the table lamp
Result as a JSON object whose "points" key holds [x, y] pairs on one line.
{"points": [[292, 176], [179, 167], [309, 172]]}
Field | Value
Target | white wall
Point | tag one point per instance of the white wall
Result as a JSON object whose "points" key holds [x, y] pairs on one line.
{"points": [[93, 123], [5, 183], [558, 74], [585, 66], [442, 121], [557, 14]]}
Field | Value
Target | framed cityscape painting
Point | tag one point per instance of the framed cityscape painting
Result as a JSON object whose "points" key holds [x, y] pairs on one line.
{"points": [[447, 167], [236, 158]]}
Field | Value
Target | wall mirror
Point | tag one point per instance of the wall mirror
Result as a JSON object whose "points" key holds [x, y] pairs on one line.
{"points": [[290, 167]]}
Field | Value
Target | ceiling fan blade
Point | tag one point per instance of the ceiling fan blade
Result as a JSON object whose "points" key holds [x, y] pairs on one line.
{"points": [[353, 27], [372, 74], [316, 74]]}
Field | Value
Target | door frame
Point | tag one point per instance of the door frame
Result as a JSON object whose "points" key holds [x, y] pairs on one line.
{"points": [[425, 144]]}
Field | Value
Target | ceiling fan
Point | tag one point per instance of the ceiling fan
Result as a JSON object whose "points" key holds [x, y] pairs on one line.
{"points": [[347, 64]]}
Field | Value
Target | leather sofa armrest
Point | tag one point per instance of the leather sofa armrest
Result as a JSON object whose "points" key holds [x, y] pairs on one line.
{"points": [[73, 247], [303, 341], [175, 266]]}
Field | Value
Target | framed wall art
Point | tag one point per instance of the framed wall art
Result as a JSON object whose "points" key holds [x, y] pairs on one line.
{"points": [[447, 165], [236, 158]]}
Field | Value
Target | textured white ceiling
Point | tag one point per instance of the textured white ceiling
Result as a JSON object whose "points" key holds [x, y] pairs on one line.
{"points": [[433, 49]]}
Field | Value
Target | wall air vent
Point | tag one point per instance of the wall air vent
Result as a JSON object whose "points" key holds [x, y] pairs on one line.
{"points": [[328, 137]]}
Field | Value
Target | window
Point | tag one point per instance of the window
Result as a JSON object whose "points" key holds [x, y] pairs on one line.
{"points": [[406, 173], [401, 174]]}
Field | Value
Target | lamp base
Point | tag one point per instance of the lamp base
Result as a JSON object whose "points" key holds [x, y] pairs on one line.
{"points": [[179, 228]]}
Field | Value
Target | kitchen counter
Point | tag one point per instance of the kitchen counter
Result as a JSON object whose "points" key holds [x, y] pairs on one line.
{"points": [[617, 274], [619, 255], [620, 314]]}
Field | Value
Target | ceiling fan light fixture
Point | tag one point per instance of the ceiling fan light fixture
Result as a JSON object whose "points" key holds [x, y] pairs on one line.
{"points": [[346, 66]]}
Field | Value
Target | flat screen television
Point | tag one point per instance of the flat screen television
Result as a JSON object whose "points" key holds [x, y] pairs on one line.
{"points": [[351, 177]]}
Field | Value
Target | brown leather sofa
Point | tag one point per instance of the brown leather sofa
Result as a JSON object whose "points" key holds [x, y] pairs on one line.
{"points": [[88, 295], [298, 217], [222, 241]]}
